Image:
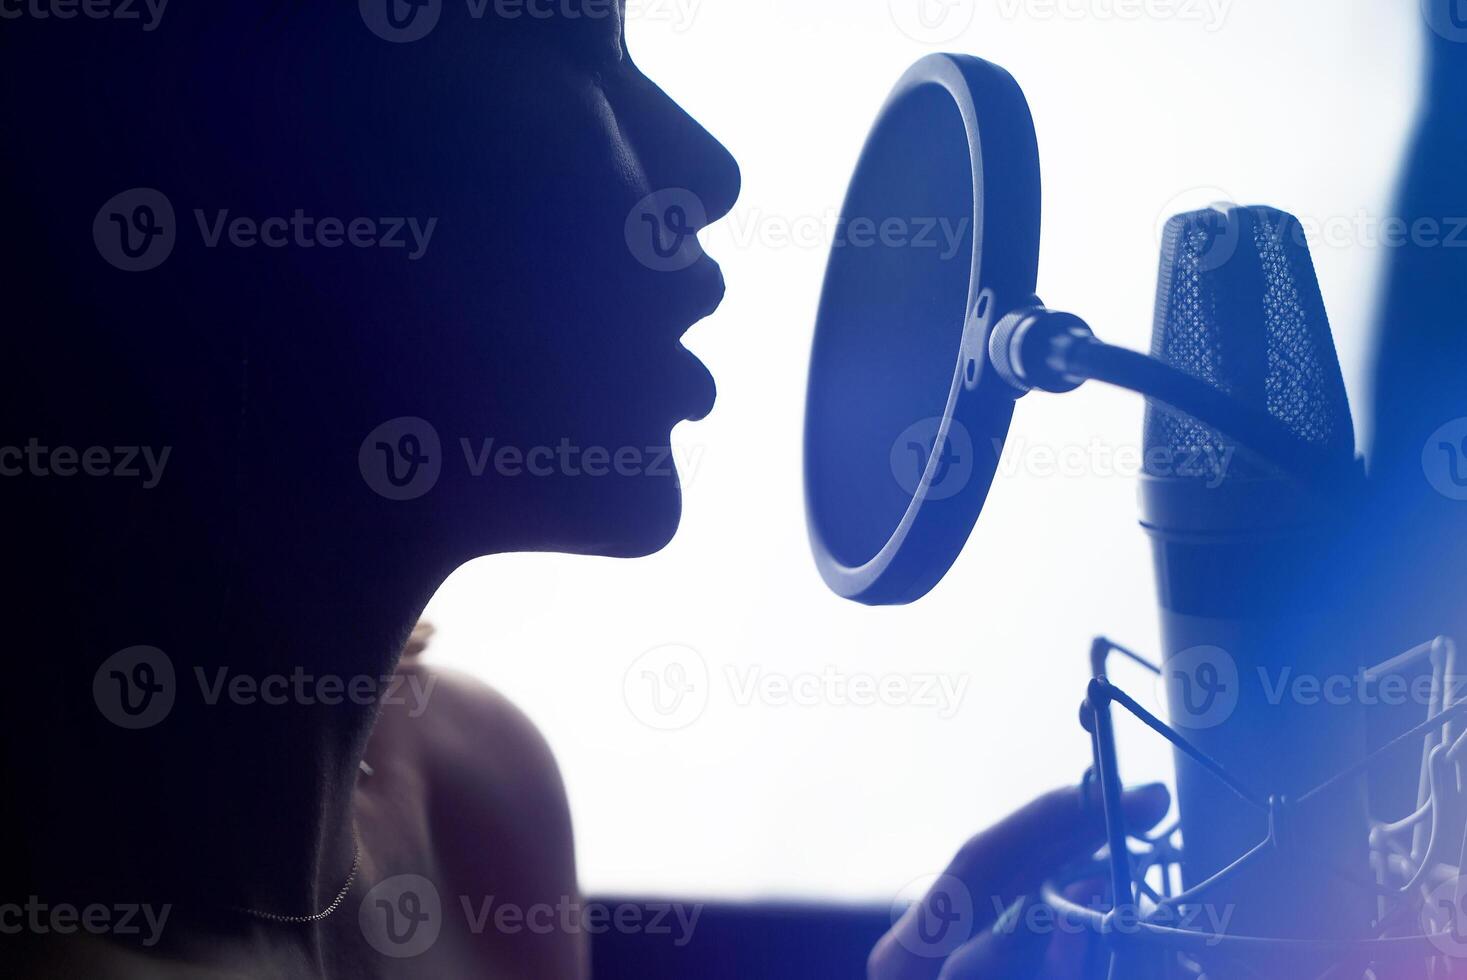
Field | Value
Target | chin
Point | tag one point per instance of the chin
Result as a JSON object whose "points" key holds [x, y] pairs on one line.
{"points": [[584, 509], [639, 518], [622, 514], [619, 517]]}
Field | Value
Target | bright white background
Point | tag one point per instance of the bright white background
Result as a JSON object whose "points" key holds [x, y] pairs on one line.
{"points": [[1303, 104]]}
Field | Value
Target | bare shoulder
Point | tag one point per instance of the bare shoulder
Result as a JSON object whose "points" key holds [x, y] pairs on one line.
{"points": [[487, 766], [478, 737], [494, 802]]}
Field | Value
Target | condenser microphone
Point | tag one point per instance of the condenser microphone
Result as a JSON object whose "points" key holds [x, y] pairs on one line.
{"points": [[1249, 569]]}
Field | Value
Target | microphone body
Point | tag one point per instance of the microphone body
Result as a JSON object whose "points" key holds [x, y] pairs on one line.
{"points": [[1260, 670]]}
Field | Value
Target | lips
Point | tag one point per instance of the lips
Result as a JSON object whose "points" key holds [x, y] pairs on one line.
{"points": [[702, 391], [703, 302], [708, 297]]}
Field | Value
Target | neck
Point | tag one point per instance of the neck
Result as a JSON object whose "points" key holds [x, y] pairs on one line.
{"points": [[241, 796]]}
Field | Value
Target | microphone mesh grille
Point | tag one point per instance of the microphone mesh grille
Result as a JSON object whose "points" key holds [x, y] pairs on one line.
{"points": [[1238, 306]]}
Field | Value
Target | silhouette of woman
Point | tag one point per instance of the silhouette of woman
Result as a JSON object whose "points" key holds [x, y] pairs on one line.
{"points": [[306, 305]]}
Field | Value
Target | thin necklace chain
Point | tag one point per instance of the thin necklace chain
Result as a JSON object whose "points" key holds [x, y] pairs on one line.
{"points": [[356, 861]]}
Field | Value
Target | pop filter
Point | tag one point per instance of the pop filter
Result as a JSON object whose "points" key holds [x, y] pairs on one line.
{"points": [[929, 329], [904, 419]]}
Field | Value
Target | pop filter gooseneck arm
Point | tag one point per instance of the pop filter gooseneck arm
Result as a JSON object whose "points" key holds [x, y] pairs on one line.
{"points": [[1034, 348]]}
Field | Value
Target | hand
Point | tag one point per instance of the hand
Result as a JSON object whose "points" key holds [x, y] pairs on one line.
{"points": [[1001, 870]]}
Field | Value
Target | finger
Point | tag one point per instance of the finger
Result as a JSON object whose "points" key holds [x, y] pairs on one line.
{"points": [[1077, 951], [998, 866], [1055, 830], [1013, 948]]}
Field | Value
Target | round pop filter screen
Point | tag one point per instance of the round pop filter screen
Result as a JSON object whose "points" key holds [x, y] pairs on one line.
{"points": [[904, 420]]}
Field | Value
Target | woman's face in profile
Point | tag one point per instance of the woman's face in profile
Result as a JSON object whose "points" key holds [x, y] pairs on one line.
{"points": [[542, 322], [429, 268]]}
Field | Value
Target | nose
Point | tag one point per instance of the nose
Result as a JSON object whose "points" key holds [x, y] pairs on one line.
{"points": [[678, 152]]}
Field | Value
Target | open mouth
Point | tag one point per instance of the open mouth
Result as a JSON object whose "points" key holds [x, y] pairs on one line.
{"points": [[701, 389]]}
